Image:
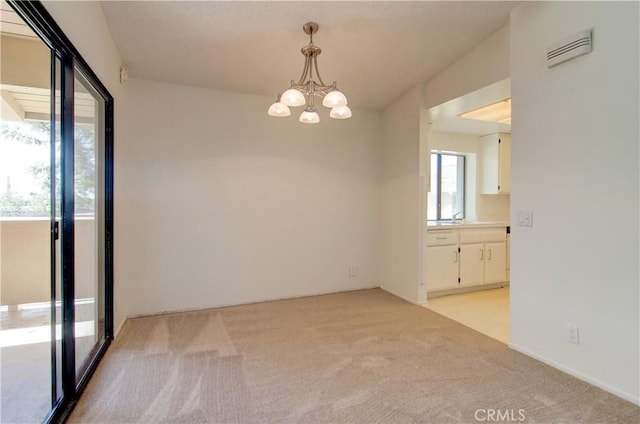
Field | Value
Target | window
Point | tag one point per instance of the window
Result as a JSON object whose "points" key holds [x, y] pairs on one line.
{"points": [[446, 196]]}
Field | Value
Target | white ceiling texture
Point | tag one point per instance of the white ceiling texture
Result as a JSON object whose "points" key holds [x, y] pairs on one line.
{"points": [[374, 50]]}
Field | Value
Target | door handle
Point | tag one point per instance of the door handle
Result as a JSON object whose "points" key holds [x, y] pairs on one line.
{"points": [[481, 254], [488, 254], [455, 257], [56, 230]]}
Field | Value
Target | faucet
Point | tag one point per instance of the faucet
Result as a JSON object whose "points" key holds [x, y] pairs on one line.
{"points": [[455, 215]]}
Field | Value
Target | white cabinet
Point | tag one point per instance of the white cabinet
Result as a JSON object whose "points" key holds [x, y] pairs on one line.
{"points": [[483, 256], [465, 258], [471, 264], [495, 262], [496, 163], [441, 270], [483, 263]]}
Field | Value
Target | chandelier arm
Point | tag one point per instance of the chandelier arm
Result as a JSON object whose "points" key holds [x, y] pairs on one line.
{"points": [[311, 94], [300, 87], [305, 71], [315, 63], [311, 60], [322, 91]]}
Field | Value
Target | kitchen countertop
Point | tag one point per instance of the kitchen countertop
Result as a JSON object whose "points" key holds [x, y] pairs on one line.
{"points": [[447, 225]]}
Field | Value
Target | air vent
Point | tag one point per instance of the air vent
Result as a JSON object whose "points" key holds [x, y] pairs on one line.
{"points": [[570, 48]]}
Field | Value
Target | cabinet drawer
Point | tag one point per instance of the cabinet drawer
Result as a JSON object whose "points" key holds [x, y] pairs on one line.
{"points": [[441, 238], [484, 235]]}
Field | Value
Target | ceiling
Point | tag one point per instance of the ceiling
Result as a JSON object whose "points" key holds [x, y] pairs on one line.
{"points": [[12, 25], [374, 50], [25, 80], [446, 116], [17, 101]]}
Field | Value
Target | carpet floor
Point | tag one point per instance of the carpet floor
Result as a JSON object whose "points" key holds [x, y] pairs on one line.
{"points": [[357, 357]]}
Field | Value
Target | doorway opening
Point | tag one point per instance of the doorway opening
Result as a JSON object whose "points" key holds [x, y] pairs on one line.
{"points": [[467, 246]]}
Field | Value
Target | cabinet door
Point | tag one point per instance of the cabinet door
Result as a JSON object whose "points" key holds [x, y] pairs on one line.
{"points": [[471, 264], [495, 153], [442, 268], [495, 269], [504, 164], [489, 154]]}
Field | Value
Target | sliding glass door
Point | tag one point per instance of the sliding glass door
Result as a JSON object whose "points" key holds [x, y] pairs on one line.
{"points": [[29, 357], [89, 221], [56, 218]]}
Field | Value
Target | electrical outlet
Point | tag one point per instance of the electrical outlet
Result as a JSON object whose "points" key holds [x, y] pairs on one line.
{"points": [[573, 335], [525, 219], [353, 271]]}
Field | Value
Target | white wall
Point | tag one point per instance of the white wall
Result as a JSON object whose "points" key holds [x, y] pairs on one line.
{"points": [[455, 142], [85, 25], [481, 207], [484, 65], [25, 261], [575, 161], [400, 205], [406, 146], [225, 205]]}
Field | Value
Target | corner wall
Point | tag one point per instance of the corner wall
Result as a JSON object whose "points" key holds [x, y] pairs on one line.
{"points": [[226, 205], [575, 164], [400, 193]]}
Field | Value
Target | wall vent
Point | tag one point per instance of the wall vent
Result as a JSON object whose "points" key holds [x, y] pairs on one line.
{"points": [[570, 48]]}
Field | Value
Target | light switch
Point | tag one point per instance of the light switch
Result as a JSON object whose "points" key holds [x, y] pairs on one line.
{"points": [[525, 219]]}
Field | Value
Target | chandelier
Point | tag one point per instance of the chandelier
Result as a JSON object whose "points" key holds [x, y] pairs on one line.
{"points": [[309, 86]]}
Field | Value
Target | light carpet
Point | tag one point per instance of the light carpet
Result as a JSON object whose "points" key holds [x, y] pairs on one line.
{"points": [[357, 357]]}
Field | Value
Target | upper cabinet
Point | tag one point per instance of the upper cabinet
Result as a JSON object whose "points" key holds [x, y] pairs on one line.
{"points": [[496, 163]]}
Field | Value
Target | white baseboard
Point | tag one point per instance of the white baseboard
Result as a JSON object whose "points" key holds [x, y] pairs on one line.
{"points": [[413, 302], [227, 305], [275, 299], [593, 381], [119, 329], [438, 293]]}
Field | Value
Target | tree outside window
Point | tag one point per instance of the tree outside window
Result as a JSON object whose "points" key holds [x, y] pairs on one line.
{"points": [[25, 169]]}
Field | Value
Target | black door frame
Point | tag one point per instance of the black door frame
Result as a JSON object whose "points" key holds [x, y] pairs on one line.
{"points": [[35, 14]]}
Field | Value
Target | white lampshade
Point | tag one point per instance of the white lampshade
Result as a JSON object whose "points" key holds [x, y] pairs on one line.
{"points": [[340, 112], [334, 98], [309, 116], [292, 97], [279, 109]]}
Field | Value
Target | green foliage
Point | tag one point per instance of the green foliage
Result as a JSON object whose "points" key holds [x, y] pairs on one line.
{"points": [[85, 169], [13, 204], [39, 203], [28, 132]]}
